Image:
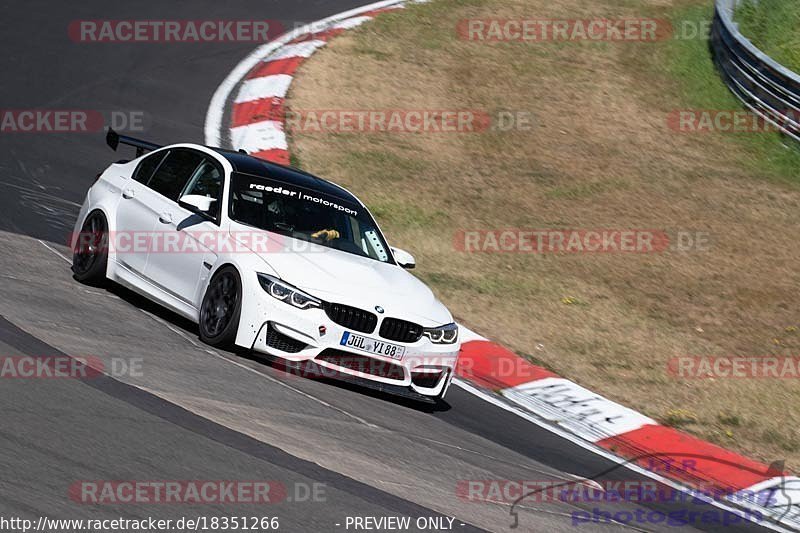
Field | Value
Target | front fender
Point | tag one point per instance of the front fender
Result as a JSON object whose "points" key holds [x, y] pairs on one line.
{"points": [[253, 312]]}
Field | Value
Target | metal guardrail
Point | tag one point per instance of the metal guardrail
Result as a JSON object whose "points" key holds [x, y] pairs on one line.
{"points": [[769, 89]]}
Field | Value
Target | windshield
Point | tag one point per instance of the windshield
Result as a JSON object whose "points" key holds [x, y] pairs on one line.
{"points": [[306, 215]]}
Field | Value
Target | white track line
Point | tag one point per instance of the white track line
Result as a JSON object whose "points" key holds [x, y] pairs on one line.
{"points": [[304, 49], [216, 108], [254, 371], [59, 254], [258, 136], [350, 23], [472, 390], [213, 129], [264, 87], [603, 453], [224, 358]]}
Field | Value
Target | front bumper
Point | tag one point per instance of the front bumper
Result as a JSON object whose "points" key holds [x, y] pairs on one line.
{"points": [[310, 335]]}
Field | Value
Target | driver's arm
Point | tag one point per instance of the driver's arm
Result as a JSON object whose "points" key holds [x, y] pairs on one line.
{"points": [[326, 234]]}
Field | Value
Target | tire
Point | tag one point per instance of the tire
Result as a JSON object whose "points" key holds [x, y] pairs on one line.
{"points": [[221, 308], [90, 254]]}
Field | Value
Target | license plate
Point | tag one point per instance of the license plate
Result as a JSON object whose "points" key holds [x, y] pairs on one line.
{"points": [[365, 344]]}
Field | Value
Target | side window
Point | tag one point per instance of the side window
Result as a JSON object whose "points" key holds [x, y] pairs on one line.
{"points": [[207, 181], [373, 247], [248, 207], [174, 172], [147, 166]]}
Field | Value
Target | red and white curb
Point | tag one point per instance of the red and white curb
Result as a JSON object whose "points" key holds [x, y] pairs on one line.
{"points": [[596, 420], [252, 100], [252, 96]]}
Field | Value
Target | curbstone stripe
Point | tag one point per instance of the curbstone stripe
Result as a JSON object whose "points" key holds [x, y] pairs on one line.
{"points": [[257, 125]]}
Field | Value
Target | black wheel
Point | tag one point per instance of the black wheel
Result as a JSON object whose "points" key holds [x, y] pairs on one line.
{"points": [[90, 254], [221, 308]]}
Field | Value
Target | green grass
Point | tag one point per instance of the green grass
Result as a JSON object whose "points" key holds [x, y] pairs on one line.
{"points": [[774, 27], [604, 320], [689, 62], [787, 442], [729, 419], [405, 214], [679, 418]]}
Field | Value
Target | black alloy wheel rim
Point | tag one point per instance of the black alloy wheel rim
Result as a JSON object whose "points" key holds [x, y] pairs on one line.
{"points": [[220, 304], [91, 242]]}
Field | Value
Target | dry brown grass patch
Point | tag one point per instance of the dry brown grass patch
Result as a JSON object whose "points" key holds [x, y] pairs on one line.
{"points": [[600, 156]]}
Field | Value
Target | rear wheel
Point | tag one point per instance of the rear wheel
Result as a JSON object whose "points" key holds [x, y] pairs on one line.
{"points": [[221, 308], [90, 254]]}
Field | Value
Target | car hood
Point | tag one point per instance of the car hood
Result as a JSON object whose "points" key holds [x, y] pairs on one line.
{"points": [[340, 277]]}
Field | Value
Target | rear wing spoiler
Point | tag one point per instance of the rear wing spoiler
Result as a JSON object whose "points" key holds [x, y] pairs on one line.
{"points": [[114, 139]]}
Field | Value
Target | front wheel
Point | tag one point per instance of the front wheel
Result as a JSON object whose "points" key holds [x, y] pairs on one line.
{"points": [[90, 254], [221, 309]]}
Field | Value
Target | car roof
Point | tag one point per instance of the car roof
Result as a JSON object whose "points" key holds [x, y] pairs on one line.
{"points": [[247, 164]]}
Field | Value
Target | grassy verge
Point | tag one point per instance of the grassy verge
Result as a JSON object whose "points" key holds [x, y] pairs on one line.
{"points": [[601, 155], [774, 27], [699, 86]]}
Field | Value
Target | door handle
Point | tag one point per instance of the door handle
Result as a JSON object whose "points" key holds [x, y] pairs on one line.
{"points": [[128, 194], [165, 218]]}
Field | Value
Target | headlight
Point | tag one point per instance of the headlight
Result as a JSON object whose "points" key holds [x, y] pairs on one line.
{"points": [[288, 294], [442, 335]]}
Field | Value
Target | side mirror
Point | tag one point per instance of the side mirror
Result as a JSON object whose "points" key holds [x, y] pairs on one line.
{"points": [[404, 259], [196, 203]]}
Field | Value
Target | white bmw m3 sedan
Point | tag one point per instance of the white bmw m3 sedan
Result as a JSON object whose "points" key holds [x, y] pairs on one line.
{"points": [[266, 258]]}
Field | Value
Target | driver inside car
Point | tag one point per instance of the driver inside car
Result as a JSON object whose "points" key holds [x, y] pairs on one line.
{"points": [[326, 234], [288, 217]]}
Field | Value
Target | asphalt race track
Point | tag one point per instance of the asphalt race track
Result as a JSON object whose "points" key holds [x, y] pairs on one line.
{"points": [[175, 409]]}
